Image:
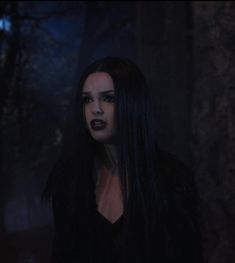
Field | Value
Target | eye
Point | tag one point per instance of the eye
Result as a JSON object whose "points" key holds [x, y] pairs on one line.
{"points": [[109, 98], [86, 99]]}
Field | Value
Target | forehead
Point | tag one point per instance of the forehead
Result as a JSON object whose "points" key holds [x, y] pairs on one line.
{"points": [[98, 81]]}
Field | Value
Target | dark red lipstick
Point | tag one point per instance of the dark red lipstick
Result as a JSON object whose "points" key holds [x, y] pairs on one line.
{"points": [[98, 124]]}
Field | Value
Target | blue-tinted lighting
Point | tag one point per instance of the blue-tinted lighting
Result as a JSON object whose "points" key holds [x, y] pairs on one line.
{"points": [[5, 24]]}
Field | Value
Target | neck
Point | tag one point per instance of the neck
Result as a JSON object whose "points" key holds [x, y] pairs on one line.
{"points": [[111, 153]]}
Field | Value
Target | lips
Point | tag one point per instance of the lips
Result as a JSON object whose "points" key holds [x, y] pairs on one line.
{"points": [[98, 124]]}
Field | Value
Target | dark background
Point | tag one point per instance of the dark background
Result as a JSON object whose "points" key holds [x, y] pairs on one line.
{"points": [[186, 50]]}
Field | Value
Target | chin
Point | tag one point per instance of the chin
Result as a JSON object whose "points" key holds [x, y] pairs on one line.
{"points": [[101, 140], [104, 139]]}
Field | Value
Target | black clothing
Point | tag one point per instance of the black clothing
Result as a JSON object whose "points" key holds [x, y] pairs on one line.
{"points": [[92, 239], [106, 238]]}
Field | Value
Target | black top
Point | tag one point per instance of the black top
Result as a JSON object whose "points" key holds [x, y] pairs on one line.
{"points": [[106, 239], [93, 238]]}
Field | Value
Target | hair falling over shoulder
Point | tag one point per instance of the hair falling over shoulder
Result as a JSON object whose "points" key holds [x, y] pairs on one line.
{"points": [[146, 183]]}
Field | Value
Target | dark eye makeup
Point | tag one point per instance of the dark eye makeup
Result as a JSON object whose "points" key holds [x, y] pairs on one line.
{"points": [[109, 97], [86, 99], [105, 97]]}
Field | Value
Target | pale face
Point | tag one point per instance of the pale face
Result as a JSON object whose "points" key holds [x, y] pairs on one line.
{"points": [[99, 103]]}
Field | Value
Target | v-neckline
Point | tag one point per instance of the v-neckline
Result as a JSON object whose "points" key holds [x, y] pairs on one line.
{"points": [[105, 184], [107, 220]]}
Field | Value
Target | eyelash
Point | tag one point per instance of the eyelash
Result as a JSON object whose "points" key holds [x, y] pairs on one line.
{"points": [[106, 98], [86, 99], [109, 98]]}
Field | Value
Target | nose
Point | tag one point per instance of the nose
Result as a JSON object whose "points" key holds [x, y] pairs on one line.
{"points": [[97, 108]]}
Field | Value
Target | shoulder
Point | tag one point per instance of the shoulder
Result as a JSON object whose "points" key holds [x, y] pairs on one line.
{"points": [[169, 162], [174, 173], [179, 185], [182, 205]]}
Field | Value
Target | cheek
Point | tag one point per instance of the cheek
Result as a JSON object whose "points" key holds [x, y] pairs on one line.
{"points": [[112, 116]]}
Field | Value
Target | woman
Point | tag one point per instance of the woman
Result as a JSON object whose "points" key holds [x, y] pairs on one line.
{"points": [[116, 197]]}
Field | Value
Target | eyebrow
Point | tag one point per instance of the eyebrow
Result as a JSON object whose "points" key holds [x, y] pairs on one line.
{"points": [[103, 92]]}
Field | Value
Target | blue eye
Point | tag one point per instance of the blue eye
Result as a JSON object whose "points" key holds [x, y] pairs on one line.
{"points": [[109, 98]]}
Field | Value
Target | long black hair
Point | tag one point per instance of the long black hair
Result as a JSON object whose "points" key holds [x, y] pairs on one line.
{"points": [[142, 186]]}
